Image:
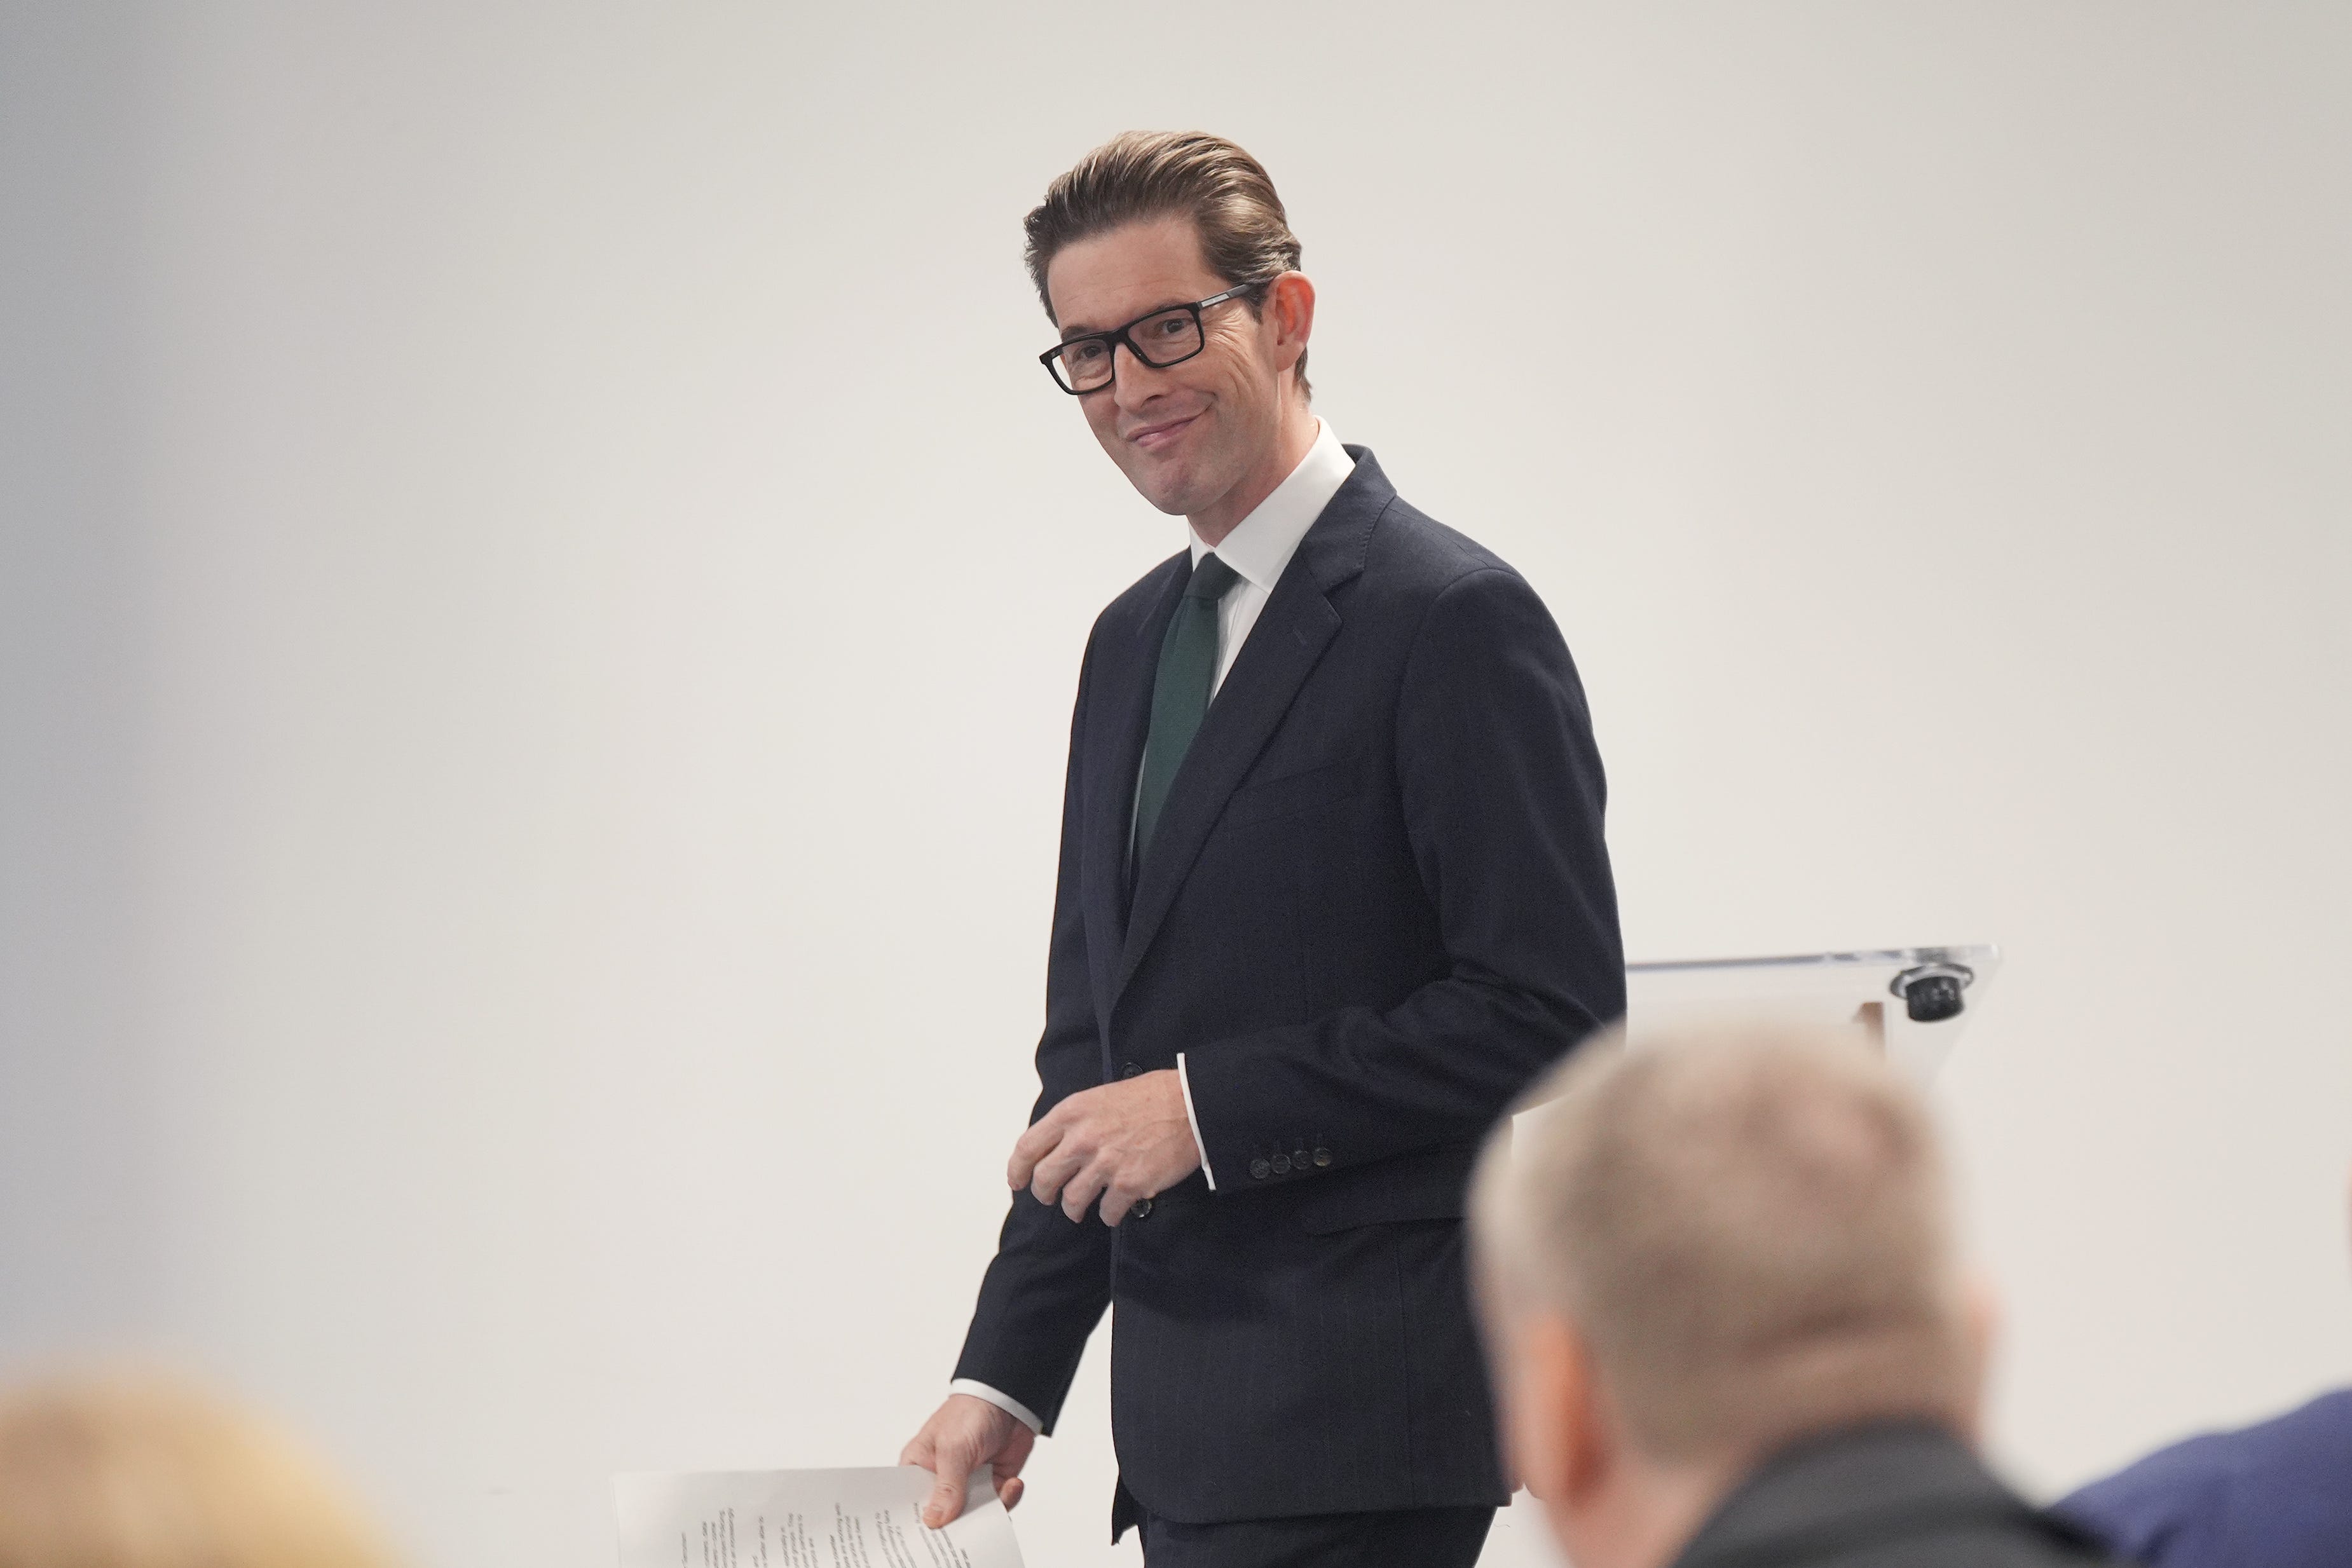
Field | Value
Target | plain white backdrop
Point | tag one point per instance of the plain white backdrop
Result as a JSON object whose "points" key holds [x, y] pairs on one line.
{"points": [[541, 587]]}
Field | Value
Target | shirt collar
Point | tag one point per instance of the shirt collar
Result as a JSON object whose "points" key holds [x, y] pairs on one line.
{"points": [[1262, 544]]}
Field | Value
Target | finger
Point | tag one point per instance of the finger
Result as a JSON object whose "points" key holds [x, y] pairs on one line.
{"points": [[1026, 1156], [953, 1460], [1083, 1189], [1034, 1145], [947, 1496], [1009, 1493], [1117, 1201], [1068, 1158]]}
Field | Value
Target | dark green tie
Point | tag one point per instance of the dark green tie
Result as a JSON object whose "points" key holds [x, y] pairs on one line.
{"points": [[1180, 692]]}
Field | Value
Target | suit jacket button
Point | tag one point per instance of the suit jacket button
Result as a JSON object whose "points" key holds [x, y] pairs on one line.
{"points": [[1282, 1165], [1322, 1158], [1141, 1210], [1260, 1169], [1299, 1159], [1130, 1070]]}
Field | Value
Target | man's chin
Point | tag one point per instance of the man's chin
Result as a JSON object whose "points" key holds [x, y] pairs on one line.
{"points": [[1169, 489]]}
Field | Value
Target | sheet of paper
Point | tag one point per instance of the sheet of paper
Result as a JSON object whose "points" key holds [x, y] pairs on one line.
{"points": [[805, 1519]]}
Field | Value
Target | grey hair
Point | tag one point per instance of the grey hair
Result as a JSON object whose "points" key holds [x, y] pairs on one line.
{"points": [[1749, 1227]]}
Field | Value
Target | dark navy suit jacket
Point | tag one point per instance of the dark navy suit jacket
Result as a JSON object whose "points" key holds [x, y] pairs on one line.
{"points": [[2274, 1495], [1376, 906]]}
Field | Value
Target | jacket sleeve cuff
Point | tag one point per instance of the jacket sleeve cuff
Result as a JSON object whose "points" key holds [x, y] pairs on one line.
{"points": [[1249, 1122], [1192, 1117], [1004, 1402]]}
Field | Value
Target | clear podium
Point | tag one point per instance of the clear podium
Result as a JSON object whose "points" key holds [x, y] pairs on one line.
{"points": [[1910, 1003]]}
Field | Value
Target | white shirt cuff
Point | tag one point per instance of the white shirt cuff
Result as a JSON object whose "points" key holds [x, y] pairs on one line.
{"points": [[1184, 1082], [1004, 1402]]}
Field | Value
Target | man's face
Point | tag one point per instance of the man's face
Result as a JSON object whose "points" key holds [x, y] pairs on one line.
{"points": [[1187, 435]]}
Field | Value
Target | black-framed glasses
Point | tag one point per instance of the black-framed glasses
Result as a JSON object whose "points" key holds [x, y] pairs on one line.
{"points": [[1167, 335]]}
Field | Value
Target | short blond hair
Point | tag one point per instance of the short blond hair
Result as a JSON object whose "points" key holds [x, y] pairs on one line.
{"points": [[134, 1471], [1749, 1228]]}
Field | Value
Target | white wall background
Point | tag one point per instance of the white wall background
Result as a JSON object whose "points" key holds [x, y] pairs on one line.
{"points": [[542, 590]]}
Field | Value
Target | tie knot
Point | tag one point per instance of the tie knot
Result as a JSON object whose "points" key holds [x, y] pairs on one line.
{"points": [[1210, 578]]}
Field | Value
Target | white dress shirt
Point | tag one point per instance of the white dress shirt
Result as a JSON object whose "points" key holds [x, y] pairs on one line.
{"points": [[1258, 548], [1262, 544]]}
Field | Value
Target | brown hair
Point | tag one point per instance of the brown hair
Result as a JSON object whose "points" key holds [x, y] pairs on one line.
{"points": [[1141, 175], [1747, 1223], [136, 1472]]}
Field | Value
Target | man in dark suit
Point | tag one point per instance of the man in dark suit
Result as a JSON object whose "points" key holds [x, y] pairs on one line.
{"points": [[1333, 892], [1729, 1329]]}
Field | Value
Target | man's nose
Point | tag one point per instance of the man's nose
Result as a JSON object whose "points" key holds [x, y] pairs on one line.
{"points": [[1133, 382]]}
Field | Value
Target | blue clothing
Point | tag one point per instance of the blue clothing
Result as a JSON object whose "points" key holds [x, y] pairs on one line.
{"points": [[2273, 1495]]}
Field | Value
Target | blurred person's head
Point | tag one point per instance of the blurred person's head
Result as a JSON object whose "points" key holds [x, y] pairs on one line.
{"points": [[1700, 1250], [1136, 236], [138, 1472]]}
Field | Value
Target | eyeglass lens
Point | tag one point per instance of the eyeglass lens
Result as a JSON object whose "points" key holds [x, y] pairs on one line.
{"points": [[1160, 341]]}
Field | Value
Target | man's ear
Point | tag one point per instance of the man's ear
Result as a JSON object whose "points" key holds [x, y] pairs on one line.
{"points": [[1980, 1322], [1594, 1451], [1290, 313], [1561, 1440]]}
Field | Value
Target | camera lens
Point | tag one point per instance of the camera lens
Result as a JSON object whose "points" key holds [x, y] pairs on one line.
{"points": [[1932, 998], [1931, 992]]}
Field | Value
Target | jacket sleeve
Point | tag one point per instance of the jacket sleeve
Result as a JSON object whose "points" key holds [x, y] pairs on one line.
{"points": [[1050, 1281], [1502, 796]]}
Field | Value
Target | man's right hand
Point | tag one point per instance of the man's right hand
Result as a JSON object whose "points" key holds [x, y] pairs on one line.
{"points": [[962, 1436]]}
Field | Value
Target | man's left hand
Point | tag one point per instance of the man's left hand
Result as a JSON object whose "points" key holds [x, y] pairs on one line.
{"points": [[1119, 1143]]}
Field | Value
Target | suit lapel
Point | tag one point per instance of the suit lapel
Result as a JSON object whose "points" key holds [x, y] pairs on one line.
{"points": [[1292, 631], [1121, 718]]}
